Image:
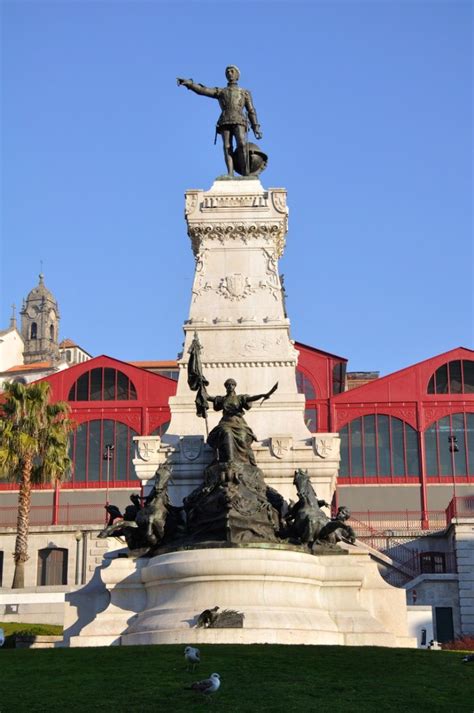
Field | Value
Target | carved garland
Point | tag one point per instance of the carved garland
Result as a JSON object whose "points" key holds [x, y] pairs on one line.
{"points": [[267, 230]]}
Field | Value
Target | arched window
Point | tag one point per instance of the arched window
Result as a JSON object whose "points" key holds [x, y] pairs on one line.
{"points": [[52, 566], [34, 331], [379, 446], [454, 377], [161, 429], [88, 452], [51, 332], [305, 386], [103, 384], [449, 446]]}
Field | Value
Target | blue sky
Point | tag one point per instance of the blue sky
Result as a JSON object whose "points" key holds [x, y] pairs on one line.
{"points": [[366, 111]]}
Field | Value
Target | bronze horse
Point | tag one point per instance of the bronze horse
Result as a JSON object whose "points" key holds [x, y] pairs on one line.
{"points": [[308, 523]]}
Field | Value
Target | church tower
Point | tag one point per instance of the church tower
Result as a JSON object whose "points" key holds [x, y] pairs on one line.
{"points": [[40, 325]]}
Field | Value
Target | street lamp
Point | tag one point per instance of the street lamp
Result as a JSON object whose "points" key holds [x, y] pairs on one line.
{"points": [[453, 448], [108, 455]]}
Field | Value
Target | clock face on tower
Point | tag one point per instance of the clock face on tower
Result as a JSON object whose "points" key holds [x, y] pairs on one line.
{"points": [[33, 311]]}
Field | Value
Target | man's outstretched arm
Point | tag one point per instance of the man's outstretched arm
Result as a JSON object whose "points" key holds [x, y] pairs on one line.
{"points": [[198, 88]]}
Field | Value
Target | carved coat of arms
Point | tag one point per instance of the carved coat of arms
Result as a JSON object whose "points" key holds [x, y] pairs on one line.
{"points": [[281, 445], [191, 446], [147, 447], [235, 287]]}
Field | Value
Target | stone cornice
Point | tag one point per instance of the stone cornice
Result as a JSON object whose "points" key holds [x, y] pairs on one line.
{"points": [[269, 230]]}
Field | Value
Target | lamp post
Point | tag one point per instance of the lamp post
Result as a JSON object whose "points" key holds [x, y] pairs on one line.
{"points": [[453, 448], [108, 455], [78, 536]]}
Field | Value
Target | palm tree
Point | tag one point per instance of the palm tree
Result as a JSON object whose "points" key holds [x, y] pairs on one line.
{"points": [[33, 449]]}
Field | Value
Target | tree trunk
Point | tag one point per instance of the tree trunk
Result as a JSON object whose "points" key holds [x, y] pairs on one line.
{"points": [[22, 525]]}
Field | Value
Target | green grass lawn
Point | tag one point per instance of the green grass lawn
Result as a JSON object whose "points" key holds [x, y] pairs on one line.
{"points": [[332, 679]]}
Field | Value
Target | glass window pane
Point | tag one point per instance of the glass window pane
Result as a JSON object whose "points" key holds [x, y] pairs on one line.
{"points": [[132, 392], [431, 452], [304, 385], [411, 446], [442, 379], [344, 466], [72, 393], [444, 431], [96, 384], [383, 438], [121, 451], [338, 378], [431, 388], [122, 386], [457, 422], [94, 451], [80, 457], [470, 441], [108, 439], [311, 419], [398, 456], [468, 373], [109, 384], [356, 447], [369, 446], [83, 387], [131, 468], [455, 385]]}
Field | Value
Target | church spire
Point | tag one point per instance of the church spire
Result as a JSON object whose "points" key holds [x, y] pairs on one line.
{"points": [[40, 324], [13, 317]]}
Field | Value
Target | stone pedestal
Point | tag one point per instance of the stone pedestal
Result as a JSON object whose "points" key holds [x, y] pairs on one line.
{"points": [[287, 597], [238, 231]]}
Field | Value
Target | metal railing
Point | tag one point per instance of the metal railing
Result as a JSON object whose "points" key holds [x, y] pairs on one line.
{"points": [[460, 507]]}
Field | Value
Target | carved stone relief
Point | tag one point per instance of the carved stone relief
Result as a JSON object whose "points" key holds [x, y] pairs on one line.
{"points": [[191, 447], [235, 287], [146, 449], [281, 445], [323, 447], [279, 201], [232, 201], [268, 230]]}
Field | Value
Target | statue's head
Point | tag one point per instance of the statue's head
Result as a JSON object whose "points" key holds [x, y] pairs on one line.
{"points": [[343, 513], [232, 73], [230, 385]]}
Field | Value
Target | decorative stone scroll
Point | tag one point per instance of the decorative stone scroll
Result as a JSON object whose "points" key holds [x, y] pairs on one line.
{"points": [[268, 230]]}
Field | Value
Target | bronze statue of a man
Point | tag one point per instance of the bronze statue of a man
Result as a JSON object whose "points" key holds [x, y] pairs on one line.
{"points": [[237, 111]]}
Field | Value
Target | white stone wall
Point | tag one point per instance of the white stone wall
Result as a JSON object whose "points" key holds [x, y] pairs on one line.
{"points": [[11, 349], [464, 547]]}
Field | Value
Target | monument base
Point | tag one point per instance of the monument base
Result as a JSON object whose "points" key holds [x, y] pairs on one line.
{"points": [[286, 596]]}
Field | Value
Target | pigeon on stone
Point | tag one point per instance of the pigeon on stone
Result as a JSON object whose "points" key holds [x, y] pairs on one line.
{"points": [[468, 659], [207, 686], [192, 657], [2, 637]]}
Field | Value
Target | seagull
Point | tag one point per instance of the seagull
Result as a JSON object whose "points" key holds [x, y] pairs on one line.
{"points": [[192, 656], [207, 686], [469, 658], [2, 637]]}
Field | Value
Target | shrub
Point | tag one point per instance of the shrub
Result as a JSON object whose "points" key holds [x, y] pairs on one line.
{"points": [[464, 643]]}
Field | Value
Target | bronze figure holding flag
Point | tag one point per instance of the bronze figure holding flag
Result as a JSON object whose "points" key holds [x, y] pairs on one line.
{"points": [[232, 438]]}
